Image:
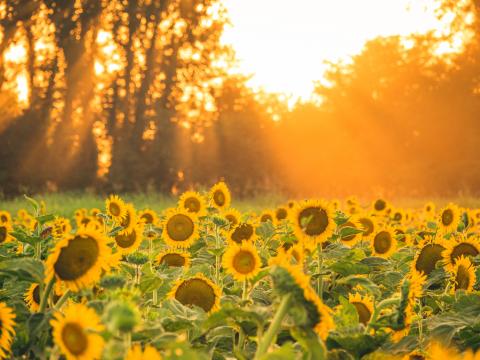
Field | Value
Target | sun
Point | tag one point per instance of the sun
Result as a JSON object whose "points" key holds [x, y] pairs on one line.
{"points": [[285, 44]]}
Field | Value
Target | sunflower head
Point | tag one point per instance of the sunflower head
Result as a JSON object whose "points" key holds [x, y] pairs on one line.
{"points": [[5, 231], [197, 291], [76, 332], [312, 221], [180, 228], [193, 202], [383, 242], [466, 247], [7, 332], [351, 232], [149, 353], [78, 260], [281, 213], [267, 215], [233, 217], [116, 208], [380, 206], [61, 227], [242, 261], [129, 221], [463, 274], [32, 297], [5, 217], [243, 231], [174, 258], [363, 305], [129, 242], [219, 195], [427, 257], [148, 216], [449, 218]]}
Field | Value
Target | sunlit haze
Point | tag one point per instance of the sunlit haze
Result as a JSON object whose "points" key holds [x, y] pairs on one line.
{"points": [[284, 43]]}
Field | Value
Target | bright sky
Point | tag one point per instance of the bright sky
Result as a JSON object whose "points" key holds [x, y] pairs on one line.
{"points": [[283, 42]]}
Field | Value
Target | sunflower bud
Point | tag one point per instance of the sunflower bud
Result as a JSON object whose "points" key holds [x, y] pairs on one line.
{"points": [[122, 316]]}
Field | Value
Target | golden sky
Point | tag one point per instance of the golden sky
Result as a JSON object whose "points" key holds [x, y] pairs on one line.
{"points": [[284, 42]]}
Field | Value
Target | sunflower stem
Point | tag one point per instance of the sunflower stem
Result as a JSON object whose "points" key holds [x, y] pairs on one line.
{"points": [[62, 300], [272, 331], [45, 295], [320, 276], [244, 292], [217, 257], [38, 251]]}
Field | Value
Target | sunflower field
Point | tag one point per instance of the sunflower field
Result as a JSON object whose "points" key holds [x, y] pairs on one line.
{"points": [[310, 279]]}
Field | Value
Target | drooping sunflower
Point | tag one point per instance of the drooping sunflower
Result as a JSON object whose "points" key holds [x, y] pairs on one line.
{"points": [[463, 274], [427, 257], [129, 242], [148, 216], [78, 260], [220, 197], [380, 206], [198, 291], [116, 208], [465, 247], [242, 261], [312, 221], [363, 305], [351, 238], [5, 217], [180, 229], [76, 332], [267, 215], [281, 213], [383, 242], [193, 202], [243, 231], [7, 332], [129, 221], [32, 297], [5, 230], [233, 216], [174, 258], [149, 353], [449, 218]]}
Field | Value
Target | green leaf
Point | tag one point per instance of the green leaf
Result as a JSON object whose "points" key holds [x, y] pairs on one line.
{"points": [[309, 341], [285, 352], [45, 218], [23, 269], [33, 202]]}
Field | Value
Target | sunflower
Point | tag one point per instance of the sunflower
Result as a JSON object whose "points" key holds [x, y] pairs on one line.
{"points": [[398, 216], [233, 217], [61, 227], [363, 305], [449, 218], [267, 215], [380, 206], [116, 208], [242, 261], [180, 229], [198, 291], [7, 332], [32, 297], [5, 217], [463, 274], [129, 221], [368, 224], [465, 247], [78, 260], [294, 252], [81, 212], [351, 239], [415, 291], [312, 221], [174, 258], [281, 213], [193, 202], [95, 211], [427, 257], [148, 216], [220, 196], [429, 208], [149, 353], [383, 242], [244, 231], [76, 332], [5, 230], [129, 242]]}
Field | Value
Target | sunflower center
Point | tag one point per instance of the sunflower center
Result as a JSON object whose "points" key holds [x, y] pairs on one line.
{"points": [[349, 237], [180, 227], [192, 204], [367, 225], [76, 258], [266, 217], [380, 205], [363, 312], [219, 197], [115, 209], [382, 242], [397, 216], [464, 249], [148, 218], [462, 279], [126, 240], [416, 357], [36, 294], [4, 218], [174, 260], [242, 232], [196, 292], [74, 338], [317, 220], [3, 234], [447, 217], [281, 214], [428, 257], [244, 262], [231, 219]]}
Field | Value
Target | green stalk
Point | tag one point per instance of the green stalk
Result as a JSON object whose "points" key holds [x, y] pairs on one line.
{"points": [[62, 300], [272, 331], [244, 292], [320, 265], [45, 295]]}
